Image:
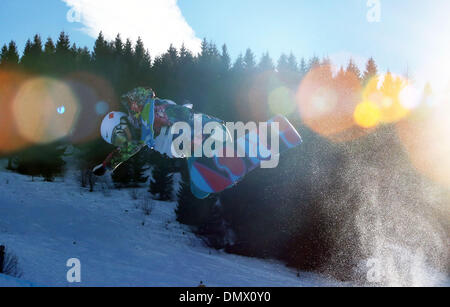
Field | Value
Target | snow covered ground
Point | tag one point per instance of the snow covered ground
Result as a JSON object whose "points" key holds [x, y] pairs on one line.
{"points": [[45, 224]]}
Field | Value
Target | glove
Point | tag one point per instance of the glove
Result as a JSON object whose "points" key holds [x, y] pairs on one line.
{"points": [[99, 170]]}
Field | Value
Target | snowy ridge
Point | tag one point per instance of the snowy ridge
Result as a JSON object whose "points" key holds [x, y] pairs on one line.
{"points": [[45, 224]]}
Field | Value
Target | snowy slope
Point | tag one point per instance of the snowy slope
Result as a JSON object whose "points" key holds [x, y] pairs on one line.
{"points": [[7, 281], [45, 224]]}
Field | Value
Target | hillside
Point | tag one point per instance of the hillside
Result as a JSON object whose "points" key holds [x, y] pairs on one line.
{"points": [[45, 224]]}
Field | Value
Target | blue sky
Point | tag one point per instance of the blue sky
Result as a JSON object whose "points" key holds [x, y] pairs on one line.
{"points": [[411, 32]]}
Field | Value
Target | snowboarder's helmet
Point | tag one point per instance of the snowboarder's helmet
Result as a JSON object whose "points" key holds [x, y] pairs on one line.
{"points": [[111, 121]]}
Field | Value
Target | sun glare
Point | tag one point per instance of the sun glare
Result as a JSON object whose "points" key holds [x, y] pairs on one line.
{"points": [[45, 110]]}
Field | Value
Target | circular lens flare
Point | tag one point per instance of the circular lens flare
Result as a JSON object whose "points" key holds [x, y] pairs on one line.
{"points": [[44, 110], [96, 98], [392, 96], [101, 108], [281, 101], [367, 115], [425, 136], [327, 103], [410, 97]]}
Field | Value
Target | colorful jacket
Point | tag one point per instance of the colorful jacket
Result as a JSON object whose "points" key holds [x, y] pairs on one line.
{"points": [[147, 115]]}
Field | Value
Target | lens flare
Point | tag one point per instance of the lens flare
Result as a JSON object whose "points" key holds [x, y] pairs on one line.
{"points": [[101, 108], [36, 110], [425, 135], [96, 98], [391, 95], [281, 101], [367, 115], [257, 94], [410, 97], [10, 139], [327, 104]]}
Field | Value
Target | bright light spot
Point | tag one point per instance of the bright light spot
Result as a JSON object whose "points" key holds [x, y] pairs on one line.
{"points": [[61, 110], [384, 91], [324, 101], [410, 97], [101, 108], [281, 101], [426, 139], [327, 104], [36, 110], [367, 115], [387, 102]]}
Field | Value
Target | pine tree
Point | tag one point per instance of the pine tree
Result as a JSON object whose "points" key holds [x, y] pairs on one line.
{"points": [[10, 56], [131, 172], [203, 57], [128, 52], [64, 57], [225, 59], [44, 160], [26, 53], [249, 61], [161, 186], [266, 63], [118, 46], [388, 86], [341, 75], [371, 71], [49, 48], [48, 58], [314, 63], [3, 54], [214, 53], [283, 65], [186, 57], [238, 66], [33, 55], [122, 176], [139, 51], [191, 210], [63, 44], [36, 55], [100, 48], [103, 58], [88, 155], [142, 62], [303, 68], [13, 54], [353, 69], [172, 57], [292, 63], [138, 168], [83, 59]]}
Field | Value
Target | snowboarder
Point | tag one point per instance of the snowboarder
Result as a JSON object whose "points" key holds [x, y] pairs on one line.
{"points": [[148, 124]]}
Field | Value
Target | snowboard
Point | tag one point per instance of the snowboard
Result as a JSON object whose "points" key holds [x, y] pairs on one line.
{"points": [[215, 175]]}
